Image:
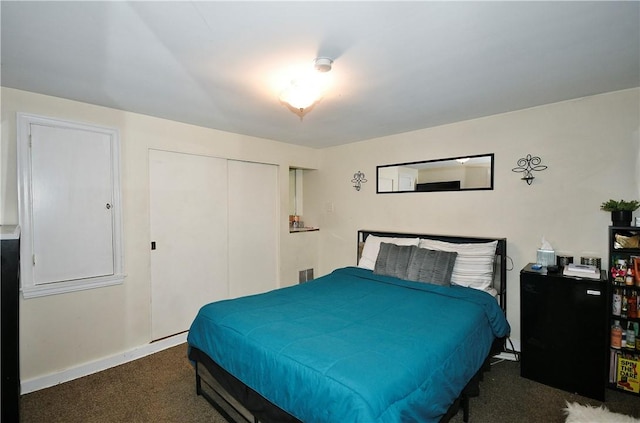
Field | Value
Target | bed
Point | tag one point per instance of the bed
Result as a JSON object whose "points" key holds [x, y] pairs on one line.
{"points": [[397, 338]]}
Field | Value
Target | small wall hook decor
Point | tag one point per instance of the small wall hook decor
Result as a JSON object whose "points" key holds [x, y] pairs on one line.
{"points": [[358, 180], [529, 164]]}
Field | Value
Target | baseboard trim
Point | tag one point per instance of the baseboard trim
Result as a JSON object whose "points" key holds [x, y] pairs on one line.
{"points": [[86, 369], [506, 355]]}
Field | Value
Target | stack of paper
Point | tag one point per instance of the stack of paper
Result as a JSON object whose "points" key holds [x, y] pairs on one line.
{"points": [[582, 271]]}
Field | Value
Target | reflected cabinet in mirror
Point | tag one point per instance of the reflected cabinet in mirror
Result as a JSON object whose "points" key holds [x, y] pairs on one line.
{"points": [[451, 174]]}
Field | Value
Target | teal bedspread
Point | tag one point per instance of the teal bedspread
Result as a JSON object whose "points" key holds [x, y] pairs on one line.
{"points": [[353, 346]]}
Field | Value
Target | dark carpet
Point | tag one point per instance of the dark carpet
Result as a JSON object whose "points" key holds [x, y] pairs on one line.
{"points": [[161, 388]]}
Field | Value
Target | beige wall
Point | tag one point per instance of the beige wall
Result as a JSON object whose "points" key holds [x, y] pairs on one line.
{"points": [[591, 148], [67, 330], [590, 145]]}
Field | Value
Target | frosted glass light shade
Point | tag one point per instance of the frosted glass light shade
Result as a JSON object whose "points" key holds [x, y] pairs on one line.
{"points": [[301, 94]]}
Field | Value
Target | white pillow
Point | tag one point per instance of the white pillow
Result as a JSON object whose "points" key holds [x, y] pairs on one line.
{"points": [[474, 264], [372, 247]]}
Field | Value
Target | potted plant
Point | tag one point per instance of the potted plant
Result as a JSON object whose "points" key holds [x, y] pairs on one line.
{"points": [[621, 211]]}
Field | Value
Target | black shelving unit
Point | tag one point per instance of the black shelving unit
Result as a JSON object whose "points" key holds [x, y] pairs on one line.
{"points": [[623, 357]]}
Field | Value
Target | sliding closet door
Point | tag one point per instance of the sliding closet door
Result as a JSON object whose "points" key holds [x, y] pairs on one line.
{"points": [[253, 223], [188, 214]]}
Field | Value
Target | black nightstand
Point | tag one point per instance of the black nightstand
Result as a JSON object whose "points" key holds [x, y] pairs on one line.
{"points": [[564, 330]]}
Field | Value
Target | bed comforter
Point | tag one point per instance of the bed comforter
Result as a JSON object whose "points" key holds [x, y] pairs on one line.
{"points": [[354, 346]]}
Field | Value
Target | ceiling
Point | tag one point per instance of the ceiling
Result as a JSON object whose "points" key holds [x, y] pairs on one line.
{"points": [[399, 66]]}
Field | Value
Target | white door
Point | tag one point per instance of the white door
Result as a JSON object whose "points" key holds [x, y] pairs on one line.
{"points": [[253, 228], [72, 197], [188, 218]]}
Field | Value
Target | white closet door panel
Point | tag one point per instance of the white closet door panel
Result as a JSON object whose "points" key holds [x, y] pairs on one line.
{"points": [[72, 196], [253, 223], [188, 213]]}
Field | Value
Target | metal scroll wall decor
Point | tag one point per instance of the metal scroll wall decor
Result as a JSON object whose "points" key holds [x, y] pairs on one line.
{"points": [[358, 180], [527, 165]]}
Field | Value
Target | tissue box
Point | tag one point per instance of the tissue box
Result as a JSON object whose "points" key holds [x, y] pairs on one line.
{"points": [[546, 257]]}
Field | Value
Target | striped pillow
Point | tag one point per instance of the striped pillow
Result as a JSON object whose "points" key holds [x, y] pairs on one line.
{"points": [[474, 264]]}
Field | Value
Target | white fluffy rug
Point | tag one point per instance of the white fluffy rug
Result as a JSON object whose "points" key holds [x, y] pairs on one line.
{"points": [[577, 413]]}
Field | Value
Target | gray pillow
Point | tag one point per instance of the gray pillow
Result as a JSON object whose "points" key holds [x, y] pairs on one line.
{"points": [[431, 266], [393, 260]]}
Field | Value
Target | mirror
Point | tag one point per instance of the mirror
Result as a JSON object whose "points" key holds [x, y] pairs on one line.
{"points": [[464, 173]]}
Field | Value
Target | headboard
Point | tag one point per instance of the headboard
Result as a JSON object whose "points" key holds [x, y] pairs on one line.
{"points": [[499, 265]]}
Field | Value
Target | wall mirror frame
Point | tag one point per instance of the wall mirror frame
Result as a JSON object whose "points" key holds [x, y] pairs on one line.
{"points": [[464, 173]]}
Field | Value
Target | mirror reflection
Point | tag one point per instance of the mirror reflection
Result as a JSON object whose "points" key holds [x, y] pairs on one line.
{"points": [[451, 174]]}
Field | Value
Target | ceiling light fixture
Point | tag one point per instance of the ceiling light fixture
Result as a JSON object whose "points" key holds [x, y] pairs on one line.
{"points": [[305, 90]]}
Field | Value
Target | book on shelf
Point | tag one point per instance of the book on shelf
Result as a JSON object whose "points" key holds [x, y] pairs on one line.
{"points": [[613, 366], [627, 374]]}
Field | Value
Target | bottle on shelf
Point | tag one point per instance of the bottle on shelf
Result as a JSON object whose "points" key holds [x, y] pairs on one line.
{"points": [[616, 335], [625, 304], [616, 305], [631, 336], [632, 305], [628, 279]]}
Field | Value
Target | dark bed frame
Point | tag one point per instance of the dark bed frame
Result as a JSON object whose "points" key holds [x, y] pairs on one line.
{"points": [[239, 403], [499, 264]]}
